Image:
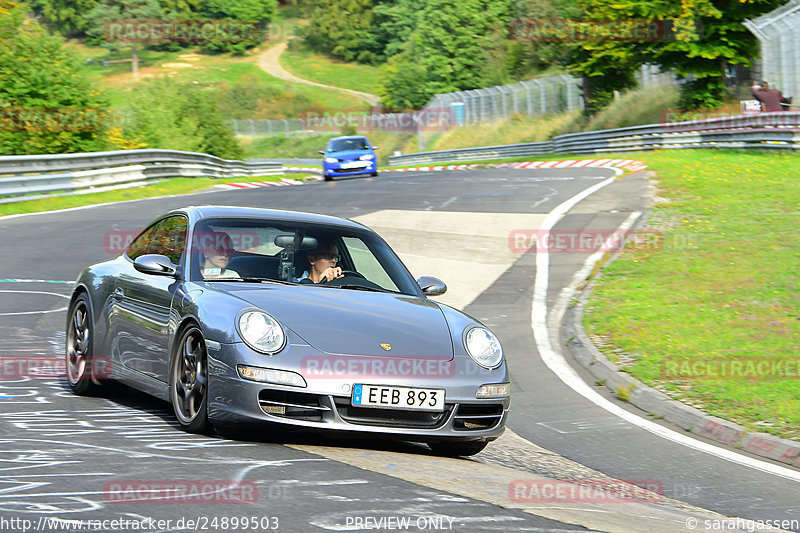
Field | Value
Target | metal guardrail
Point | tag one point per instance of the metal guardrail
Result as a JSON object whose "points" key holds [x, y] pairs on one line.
{"points": [[760, 131], [41, 176]]}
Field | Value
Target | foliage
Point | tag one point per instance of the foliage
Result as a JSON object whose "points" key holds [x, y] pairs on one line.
{"points": [[46, 103], [178, 116], [66, 16], [454, 47], [709, 37], [343, 29], [260, 11]]}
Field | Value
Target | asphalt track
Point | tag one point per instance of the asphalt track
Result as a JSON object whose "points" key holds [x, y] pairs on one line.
{"points": [[58, 452]]}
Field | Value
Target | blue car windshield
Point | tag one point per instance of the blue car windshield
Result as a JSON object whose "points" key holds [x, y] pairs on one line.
{"points": [[340, 145]]}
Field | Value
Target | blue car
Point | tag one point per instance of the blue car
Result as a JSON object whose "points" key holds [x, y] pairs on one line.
{"points": [[349, 156]]}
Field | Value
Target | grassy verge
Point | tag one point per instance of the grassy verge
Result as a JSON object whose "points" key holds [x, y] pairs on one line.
{"points": [[307, 146], [168, 187], [309, 65], [276, 98], [722, 286]]}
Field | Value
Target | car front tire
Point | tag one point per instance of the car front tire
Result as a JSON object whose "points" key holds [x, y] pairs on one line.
{"points": [[80, 365], [189, 381], [457, 448]]}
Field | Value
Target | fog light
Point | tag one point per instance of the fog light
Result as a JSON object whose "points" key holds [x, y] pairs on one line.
{"points": [[268, 375], [495, 390], [274, 409]]}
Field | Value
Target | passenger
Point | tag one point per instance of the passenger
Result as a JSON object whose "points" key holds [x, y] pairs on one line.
{"points": [[322, 261], [217, 250]]}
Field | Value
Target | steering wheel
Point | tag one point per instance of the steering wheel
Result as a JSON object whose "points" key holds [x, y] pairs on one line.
{"points": [[353, 273], [345, 273]]}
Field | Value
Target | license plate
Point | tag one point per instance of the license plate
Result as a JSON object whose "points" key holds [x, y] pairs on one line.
{"points": [[406, 398], [353, 164]]}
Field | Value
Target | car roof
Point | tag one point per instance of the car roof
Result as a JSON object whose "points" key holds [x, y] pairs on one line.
{"points": [[200, 212], [348, 137]]}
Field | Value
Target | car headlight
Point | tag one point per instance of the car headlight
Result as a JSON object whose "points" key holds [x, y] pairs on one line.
{"points": [[331, 160], [261, 332], [366, 157], [483, 347]]}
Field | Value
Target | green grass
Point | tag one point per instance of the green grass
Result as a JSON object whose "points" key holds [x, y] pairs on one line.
{"points": [[276, 98], [309, 65], [168, 187], [307, 146], [723, 284]]}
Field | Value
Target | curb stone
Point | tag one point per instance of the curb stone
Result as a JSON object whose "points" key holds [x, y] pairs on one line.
{"points": [[659, 404]]}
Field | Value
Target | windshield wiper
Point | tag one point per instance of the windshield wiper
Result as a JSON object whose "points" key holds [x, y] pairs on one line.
{"points": [[362, 288], [253, 280]]}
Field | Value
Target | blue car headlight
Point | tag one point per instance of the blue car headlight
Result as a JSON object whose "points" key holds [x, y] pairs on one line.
{"points": [[367, 157], [331, 160], [261, 332], [483, 347]]}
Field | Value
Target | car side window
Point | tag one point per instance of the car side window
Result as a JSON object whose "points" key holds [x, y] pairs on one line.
{"points": [[170, 238], [141, 244]]}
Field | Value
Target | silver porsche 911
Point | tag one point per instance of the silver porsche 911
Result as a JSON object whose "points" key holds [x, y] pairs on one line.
{"points": [[243, 315]]}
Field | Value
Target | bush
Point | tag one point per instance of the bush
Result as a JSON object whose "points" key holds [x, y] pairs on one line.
{"points": [[46, 103], [178, 116]]}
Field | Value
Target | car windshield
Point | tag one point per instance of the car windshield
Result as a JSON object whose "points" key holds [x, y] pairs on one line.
{"points": [[340, 145], [264, 250]]}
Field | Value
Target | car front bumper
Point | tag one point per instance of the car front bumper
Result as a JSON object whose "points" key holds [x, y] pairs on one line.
{"points": [[325, 403], [335, 169]]}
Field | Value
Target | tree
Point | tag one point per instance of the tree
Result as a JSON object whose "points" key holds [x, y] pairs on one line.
{"points": [[709, 36], [453, 48], [178, 116], [260, 11], [118, 10], [343, 29], [46, 103], [67, 16]]}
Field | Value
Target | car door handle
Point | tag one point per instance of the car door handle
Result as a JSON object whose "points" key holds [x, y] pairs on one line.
{"points": [[118, 294]]}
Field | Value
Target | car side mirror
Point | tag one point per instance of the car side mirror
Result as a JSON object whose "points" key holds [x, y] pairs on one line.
{"points": [[156, 264], [321, 151], [375, 147], [431, 286]]}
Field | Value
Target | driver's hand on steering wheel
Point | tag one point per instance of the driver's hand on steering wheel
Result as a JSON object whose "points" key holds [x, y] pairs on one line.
{"points": [[331, 273]]}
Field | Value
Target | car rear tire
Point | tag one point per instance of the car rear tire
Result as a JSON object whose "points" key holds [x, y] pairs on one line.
{"points": [[189, 381], [457, 448], [80, 365]]}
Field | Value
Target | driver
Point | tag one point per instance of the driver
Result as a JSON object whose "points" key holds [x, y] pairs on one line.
{"points": [[322, 261], [217, 250]]}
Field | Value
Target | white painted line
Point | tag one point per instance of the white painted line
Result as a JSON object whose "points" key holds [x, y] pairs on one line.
{"points": [[18, 313], [558, 365]]}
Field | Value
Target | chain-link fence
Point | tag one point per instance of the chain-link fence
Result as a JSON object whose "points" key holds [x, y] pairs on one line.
{"points": [[268, 126], [539, 96], [778, 35]]}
